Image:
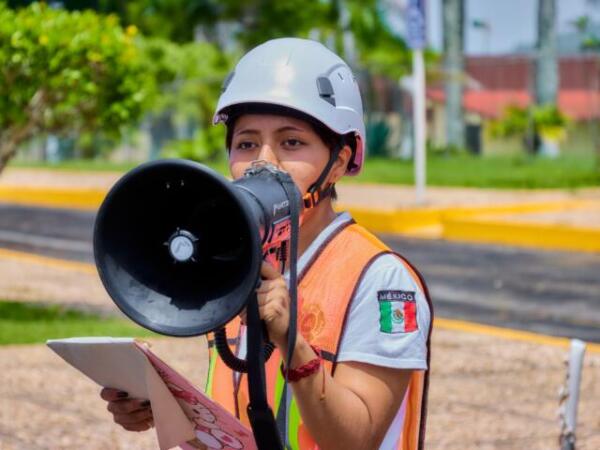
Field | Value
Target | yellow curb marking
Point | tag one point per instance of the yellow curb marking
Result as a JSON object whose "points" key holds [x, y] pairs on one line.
{"points": [[81, 199], [518, 208], [474, 224], [439, 322], [507, 333], [560, 237], [48, 261], [402, 220], [386, 220]]}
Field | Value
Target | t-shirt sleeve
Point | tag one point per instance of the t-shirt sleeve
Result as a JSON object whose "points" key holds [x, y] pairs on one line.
{"points": [[389, 318]]}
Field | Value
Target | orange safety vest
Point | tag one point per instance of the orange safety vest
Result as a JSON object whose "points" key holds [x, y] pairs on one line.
{"points": [[326, 288]]}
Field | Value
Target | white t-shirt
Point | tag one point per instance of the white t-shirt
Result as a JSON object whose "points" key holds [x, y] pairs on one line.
{"points": [[363, 340], [378, 330]]}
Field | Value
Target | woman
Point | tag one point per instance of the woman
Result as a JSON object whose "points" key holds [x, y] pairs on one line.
{"points": [[358, 376]]}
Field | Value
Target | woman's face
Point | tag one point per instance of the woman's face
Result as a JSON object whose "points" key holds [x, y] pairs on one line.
{"points": [[288, 143]]}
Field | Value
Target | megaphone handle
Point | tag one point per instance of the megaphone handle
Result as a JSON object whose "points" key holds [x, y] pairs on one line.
{"points": [[232, 361]]}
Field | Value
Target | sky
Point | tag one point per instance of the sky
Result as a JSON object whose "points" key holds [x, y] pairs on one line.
{"points": [[512, 23]]}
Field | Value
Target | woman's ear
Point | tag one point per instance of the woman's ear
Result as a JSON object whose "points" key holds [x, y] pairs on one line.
{"points": [[340, 165]]}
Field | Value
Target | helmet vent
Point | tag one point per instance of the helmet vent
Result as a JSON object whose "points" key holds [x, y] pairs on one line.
{"points": [[326, 90], [227, 81]]}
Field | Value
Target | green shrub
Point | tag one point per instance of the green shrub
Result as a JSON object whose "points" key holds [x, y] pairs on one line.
{"points": [[206, 145], [65, 73], [547, 121]]}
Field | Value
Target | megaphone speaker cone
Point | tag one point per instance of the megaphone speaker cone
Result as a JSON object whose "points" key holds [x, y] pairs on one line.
{"points": [[177, 248]]}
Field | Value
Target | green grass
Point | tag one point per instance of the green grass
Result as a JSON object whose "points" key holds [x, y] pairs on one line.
{"points": [[504, 172], [25, 323]]}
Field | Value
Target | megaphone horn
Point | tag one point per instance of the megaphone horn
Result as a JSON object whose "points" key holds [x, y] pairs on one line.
{"points": [[178, 247]]}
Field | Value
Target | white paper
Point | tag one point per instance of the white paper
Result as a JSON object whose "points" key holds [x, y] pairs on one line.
{"points": [[118, 363]]}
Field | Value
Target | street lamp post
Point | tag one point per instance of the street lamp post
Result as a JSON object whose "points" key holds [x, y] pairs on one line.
{"points": [[415, 20]]}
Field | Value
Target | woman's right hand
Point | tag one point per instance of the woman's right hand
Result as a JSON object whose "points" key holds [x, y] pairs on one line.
{"points": [[133, 414]]}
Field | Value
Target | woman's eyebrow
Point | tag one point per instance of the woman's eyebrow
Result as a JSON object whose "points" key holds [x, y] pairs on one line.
{"points": [[246, 131], [290, 128]]}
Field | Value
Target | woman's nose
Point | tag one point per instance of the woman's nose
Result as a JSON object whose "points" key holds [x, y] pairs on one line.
{"points": [[266, 153]]}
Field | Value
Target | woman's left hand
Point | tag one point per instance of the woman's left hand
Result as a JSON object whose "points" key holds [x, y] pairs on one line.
{"points": [[274, 304]]}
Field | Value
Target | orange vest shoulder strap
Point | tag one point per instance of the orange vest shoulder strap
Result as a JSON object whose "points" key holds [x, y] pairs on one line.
{"points": [[329, 282], [413, 434]]}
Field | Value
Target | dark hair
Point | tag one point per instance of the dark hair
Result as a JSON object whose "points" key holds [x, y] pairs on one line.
{"points": [[330, 138]]}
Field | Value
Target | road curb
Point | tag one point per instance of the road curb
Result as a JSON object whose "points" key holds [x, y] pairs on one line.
{"points": [[48, 261], [411, 219], [507, 333], [85, 199], [485, 225], [472, 224], [557, 237]]}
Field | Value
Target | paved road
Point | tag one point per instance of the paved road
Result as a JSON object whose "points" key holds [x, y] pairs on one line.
{"points": [[555, 293]]}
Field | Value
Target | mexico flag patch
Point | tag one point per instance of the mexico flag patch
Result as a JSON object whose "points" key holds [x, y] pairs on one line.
{"points": [[397, 311]]}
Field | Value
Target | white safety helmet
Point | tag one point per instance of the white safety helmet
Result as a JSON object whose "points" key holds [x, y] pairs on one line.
{"points": [[302, 75]]}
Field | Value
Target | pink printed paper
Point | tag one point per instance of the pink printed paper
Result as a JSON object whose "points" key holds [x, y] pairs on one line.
{"points": [[214, 426]]}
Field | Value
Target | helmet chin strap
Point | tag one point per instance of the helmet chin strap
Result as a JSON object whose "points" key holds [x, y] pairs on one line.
{"points": [[314, 195]]}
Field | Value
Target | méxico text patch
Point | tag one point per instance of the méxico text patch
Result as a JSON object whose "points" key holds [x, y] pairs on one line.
{"points": [[397, 311]]}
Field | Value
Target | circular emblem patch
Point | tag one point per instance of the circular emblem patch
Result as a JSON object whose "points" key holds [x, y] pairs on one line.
{"points": [[398, 315], [312, 321]]}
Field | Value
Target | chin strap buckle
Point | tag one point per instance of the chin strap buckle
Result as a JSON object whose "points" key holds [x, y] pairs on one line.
{"points": [[311, 199]]}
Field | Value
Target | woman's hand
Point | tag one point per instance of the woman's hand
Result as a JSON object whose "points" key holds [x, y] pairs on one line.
{"points": [[133, 414], [274, 304]]}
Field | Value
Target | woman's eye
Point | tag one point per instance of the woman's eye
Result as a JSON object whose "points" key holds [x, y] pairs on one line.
{"points": [[246, 145], [293, 143]]}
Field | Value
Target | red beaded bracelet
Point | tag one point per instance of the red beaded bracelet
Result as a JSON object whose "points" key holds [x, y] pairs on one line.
{"points": [[304, 370]]}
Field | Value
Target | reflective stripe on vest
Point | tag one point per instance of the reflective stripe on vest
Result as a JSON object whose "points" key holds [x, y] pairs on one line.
{"points": [[326, 288]]}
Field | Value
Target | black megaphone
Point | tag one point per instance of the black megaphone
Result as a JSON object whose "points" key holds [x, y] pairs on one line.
{"points": [[178, 247]]}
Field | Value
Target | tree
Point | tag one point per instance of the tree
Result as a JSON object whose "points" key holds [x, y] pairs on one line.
{"points": [[189, 78], [453, 19], [380, 49], [259, 20], [249, 23], [66, 73], [199, 28], [179, 20]]}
